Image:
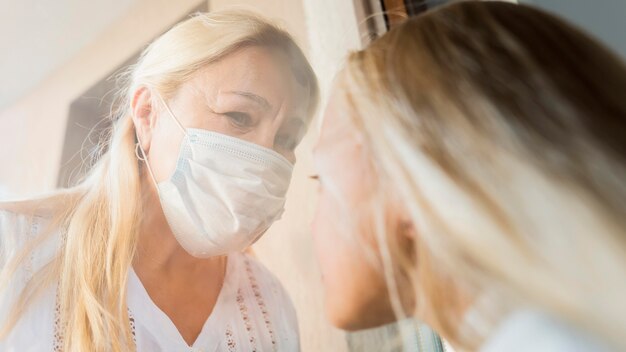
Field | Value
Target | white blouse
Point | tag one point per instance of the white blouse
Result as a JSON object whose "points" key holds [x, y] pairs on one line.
{"points": [[532, 330], [252, 313]]}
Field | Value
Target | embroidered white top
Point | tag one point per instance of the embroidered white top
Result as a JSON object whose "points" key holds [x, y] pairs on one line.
{"points": [[252, 313]]}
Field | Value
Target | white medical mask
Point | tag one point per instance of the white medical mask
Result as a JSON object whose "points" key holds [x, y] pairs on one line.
{"points": [[225, 192]]}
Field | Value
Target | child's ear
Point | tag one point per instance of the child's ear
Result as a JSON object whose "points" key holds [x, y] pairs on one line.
{"points": [[399, 215], [406, 228]]}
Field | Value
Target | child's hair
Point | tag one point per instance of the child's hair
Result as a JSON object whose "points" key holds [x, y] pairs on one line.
{"points": [[503, 130]]}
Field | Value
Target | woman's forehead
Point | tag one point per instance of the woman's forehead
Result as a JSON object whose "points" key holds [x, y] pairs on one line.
{"points": [[254, 72], [247, 66]]}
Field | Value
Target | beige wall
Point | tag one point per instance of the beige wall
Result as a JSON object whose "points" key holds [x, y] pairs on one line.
{"points": [[32, 130]]}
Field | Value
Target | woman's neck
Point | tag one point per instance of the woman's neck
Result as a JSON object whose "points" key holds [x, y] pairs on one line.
{"points": [[183, 287], [158, 250]]}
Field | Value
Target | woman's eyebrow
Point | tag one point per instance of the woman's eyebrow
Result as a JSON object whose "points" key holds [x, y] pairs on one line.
{"points": [[251, 96]]}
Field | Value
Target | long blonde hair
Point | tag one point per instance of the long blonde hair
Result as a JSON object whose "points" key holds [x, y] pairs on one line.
{"points": [[99, 218], [503, 130]]}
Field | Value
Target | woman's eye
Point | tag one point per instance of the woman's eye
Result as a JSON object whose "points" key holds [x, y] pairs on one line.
{"points": [[239, 118]]}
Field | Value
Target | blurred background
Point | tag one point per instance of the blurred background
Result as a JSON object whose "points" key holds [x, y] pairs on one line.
{"points": [[56, 67]]}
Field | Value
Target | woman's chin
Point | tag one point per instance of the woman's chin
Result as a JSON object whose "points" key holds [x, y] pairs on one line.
{"points": [[353, 318]]}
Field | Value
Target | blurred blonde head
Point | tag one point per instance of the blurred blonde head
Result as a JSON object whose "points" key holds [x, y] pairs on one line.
{"points": [[502, 130], [101, 216]]}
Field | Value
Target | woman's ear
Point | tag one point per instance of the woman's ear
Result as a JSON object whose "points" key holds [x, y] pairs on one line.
{"points": [[143, 116]]}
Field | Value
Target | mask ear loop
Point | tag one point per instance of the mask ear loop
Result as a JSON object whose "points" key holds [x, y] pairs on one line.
{"points": [[138, 147], [144, 158], [180, 125], [183, 129]]}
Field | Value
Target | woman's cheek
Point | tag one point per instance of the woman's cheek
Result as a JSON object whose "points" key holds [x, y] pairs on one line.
{"points": [[163, 155]]}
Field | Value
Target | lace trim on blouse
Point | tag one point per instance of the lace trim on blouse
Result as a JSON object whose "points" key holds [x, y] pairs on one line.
{"points": [[58, 339], [229, 335], [261, 303]]}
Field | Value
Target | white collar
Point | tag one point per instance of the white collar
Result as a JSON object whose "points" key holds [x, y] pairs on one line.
{"points": [[148, 314]]}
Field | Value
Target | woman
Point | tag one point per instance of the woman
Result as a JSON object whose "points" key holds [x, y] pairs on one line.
{"points": [[146, 253], [472, 168]]}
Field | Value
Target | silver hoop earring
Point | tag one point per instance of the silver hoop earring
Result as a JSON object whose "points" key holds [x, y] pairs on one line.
{"points": [[137, 148]]}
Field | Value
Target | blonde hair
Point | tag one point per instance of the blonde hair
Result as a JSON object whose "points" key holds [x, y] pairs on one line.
{"points": [[100, 217], [503, 130]]}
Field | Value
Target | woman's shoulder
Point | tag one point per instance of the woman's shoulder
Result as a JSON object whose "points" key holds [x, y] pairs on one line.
{"points": [[18, 225], [44, 206], [26, 217], [257, 275], [33, 223], [264, 288], [531, 330], [261, 297]]}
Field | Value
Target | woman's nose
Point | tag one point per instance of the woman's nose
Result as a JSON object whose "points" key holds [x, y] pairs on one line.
{"points": [[265, 137]]}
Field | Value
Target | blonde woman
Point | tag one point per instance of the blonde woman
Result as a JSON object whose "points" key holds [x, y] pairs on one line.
{"points": [[472, 167], [147, 253]]}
